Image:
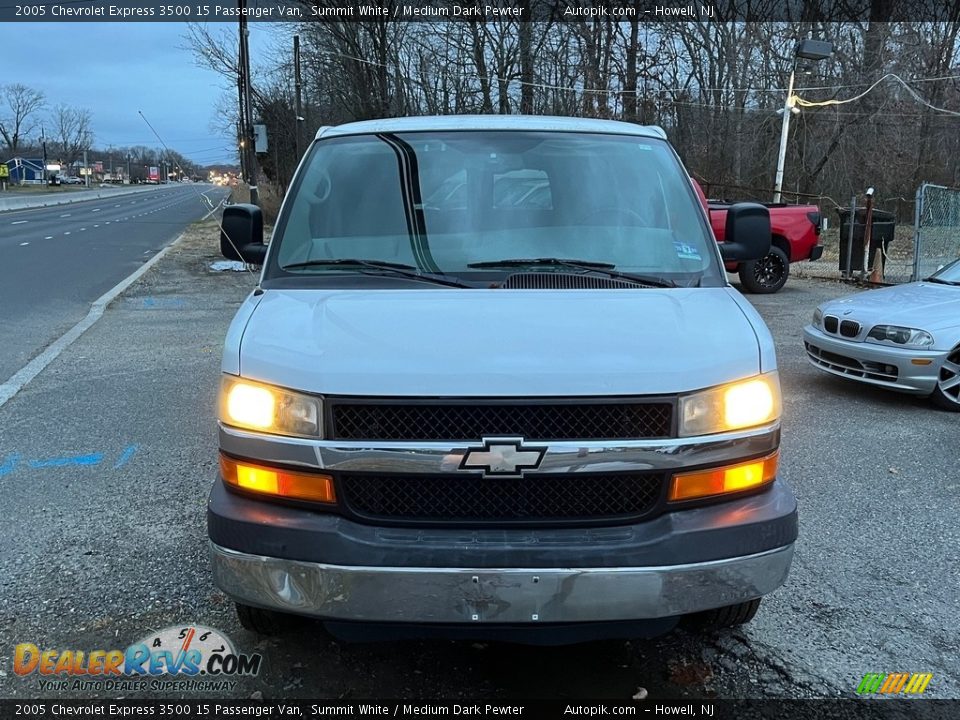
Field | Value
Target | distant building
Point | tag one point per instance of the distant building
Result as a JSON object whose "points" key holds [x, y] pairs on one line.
{"points": [[23, 169]]}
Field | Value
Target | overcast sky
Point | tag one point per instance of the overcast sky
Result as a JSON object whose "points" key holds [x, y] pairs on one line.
{"points": [[115, 69]]}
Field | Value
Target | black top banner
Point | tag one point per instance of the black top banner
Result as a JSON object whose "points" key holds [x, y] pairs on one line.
{"points": [[625, 11], [849, 709]]}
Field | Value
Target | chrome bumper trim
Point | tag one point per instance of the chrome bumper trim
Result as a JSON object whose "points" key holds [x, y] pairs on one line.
{"points": [[560, 457], [492, 595]]}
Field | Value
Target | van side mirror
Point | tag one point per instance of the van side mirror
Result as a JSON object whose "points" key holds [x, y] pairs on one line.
{"points": [[241, 234], [747, 234]]}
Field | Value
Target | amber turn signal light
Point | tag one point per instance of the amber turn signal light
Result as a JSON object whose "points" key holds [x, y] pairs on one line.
{"points": [[277, 481], [726, 479]]}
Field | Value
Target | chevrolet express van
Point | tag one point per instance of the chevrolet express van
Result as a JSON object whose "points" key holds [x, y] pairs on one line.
{"points": [[493, 379]]}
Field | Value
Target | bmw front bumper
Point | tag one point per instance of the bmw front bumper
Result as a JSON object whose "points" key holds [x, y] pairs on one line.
{"points": [[880, 365]]}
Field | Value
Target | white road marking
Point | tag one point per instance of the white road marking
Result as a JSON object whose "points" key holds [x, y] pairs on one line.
{"points": [[22, 244], [82, 229], [67, 232], [19, 222], [95, 210], [96, 226], [49, 237], [65, 215]]}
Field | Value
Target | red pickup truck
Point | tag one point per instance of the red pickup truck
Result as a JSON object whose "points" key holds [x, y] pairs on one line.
{"points": [[795, 236]]}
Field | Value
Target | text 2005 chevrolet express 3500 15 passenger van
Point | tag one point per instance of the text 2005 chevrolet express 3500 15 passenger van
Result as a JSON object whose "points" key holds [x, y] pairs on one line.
{"points": [[493, 377]]}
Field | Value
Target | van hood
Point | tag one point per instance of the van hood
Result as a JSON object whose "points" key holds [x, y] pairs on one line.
{"points": [[497, 343]]}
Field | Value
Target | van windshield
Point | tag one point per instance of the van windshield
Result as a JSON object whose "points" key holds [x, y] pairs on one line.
{"points": [[457, 203]]}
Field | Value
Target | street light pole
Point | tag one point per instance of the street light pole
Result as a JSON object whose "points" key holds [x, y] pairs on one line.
{"points": [[788, 107], [811, 50]]}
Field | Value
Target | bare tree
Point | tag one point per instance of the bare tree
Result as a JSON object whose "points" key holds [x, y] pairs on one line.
{"points": [[72, 133], [19, 107]]}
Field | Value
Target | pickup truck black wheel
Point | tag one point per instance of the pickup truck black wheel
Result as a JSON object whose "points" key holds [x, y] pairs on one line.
{"points": [[265, 622], [723, 617], [766, 275]]}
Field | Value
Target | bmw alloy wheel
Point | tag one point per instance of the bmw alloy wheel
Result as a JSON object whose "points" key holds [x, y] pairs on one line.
{"points": [[947, 393]]}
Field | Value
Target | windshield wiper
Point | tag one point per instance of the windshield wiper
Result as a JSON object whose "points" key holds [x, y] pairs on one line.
{"points": [[607, 269], [401, 269], [941, 281]]}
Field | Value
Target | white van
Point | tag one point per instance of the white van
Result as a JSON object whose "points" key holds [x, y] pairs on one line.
{"points": [[493, 380]]}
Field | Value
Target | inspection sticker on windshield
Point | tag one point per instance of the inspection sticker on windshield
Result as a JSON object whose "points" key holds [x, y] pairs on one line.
{"points": [[686, 252]]}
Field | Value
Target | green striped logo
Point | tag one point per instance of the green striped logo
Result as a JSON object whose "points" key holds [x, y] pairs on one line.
{"points": [[893, 683]]}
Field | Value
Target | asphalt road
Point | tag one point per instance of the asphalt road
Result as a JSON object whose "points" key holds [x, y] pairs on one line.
{"points": [[107, 457], [56, 261]]}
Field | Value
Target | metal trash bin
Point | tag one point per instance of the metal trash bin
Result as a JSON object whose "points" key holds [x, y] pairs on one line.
{"points": [[884, 224]]}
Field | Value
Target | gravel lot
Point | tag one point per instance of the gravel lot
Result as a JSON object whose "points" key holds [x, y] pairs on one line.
{"points": [[107, 457]]}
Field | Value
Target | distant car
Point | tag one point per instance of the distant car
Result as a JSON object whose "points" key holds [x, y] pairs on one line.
{"points": [[71, 181], [905, 338]]}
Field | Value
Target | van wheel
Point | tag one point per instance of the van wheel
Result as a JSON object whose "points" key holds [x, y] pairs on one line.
{"points": [[766, 275], [723, 617], [265, 622]]}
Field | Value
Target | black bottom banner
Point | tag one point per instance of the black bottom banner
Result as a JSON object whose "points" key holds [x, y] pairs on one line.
{"points": [[849, 709]]}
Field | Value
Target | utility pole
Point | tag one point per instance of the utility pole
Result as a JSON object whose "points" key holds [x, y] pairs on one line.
{"points": [[43, 141], [86, 169], [247, 109], [243, 150], [298, 88], [129, 179]]}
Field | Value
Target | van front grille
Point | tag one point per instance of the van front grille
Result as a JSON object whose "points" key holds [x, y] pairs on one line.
{"points": [[476, 419], [472, 498]]}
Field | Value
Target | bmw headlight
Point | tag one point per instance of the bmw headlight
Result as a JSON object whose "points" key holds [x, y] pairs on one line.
{"points": [[817, 317], [905, 336], [743, 404], [266, 408]]}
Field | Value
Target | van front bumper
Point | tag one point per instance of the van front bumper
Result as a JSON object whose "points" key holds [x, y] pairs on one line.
{"points": [[504, 595], [323, 565]]}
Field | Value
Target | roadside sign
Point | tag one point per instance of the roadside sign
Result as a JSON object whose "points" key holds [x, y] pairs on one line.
{"points": [[4, 170]]}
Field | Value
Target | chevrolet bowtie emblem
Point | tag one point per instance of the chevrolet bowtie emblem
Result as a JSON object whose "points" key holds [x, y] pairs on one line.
{"points": [[502, 457]]}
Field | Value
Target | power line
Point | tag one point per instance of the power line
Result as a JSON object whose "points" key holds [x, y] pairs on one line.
{"points": [[889, 76]]}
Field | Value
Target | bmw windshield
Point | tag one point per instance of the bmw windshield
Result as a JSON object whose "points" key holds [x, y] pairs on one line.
{"points": [[469, 207]]}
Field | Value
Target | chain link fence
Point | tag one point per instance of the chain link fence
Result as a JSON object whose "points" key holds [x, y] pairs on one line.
{"points": [[936, 229]]}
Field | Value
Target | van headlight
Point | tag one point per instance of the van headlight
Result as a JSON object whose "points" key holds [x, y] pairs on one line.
{"points": [[266, 408], [908, 337], [743, 404]]}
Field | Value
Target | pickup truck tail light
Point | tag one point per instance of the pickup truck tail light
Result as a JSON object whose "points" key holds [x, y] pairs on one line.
{"points": [[276, 481], [726, 479], [817, 221]]}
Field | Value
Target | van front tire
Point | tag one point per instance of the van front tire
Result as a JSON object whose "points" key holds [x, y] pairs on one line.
{"points": [[266, 622], [723, 617]]}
